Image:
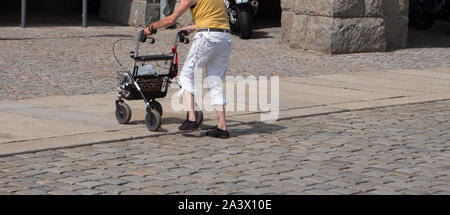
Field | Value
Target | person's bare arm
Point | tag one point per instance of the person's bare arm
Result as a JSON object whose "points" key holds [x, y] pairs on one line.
{"points": [[172, 19]]}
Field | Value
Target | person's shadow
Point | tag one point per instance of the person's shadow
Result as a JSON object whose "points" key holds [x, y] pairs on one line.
{"points": [[255, 128]]}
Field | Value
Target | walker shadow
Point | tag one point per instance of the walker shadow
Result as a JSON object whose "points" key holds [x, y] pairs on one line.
{"points": [[164, 121]]}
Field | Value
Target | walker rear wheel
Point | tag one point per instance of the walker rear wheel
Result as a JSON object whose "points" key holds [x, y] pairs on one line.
{"points": [[153, 120], [123, 113], [157, 106], [198, 117]]}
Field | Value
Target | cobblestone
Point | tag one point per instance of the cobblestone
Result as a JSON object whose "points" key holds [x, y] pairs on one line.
{"points": [[367, 162], [41, 62]]}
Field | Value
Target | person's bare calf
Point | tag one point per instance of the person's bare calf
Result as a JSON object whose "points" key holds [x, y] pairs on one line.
{"points": [[222, 124]]}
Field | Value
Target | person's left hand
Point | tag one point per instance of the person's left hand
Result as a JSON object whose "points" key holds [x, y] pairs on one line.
{"points": [[187, 31]]}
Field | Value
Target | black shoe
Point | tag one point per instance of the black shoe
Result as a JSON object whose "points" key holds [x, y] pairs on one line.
{"points": [[217, 133], [188, 125]]}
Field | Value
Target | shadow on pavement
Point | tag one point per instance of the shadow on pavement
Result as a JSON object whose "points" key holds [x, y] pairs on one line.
{"points": [[165, 121], [71, 37], [35, 19], [260, 35], [255, 128], [256, 35], [428, 39]]}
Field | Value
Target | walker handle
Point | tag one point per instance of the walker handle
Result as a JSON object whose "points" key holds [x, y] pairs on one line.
{"points": [[143, 38], [182, 38]]}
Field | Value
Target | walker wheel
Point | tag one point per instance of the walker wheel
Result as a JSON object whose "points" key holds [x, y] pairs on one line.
{"points": [[198, 117], [153, 120], [123, 113], [157, 106]]}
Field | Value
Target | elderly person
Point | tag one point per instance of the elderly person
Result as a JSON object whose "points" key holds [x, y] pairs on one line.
{"points": [[210, 51]]}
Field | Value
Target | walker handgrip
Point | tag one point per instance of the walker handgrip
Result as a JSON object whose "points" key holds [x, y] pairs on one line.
{"points": [[142, 37], [182, 38]]}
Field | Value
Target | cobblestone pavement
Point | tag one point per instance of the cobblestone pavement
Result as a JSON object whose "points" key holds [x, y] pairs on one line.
{"points": [[67, 60], [392, 150]]}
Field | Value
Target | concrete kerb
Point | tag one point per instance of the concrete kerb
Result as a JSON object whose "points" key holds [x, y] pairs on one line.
{"points": [[307, 113]]}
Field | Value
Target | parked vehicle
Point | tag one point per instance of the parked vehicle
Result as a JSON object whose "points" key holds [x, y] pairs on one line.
{"points": [[423, 13], [240, 14]]}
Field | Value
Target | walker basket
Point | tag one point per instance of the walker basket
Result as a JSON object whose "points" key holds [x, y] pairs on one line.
{"points": [[152, 87]]}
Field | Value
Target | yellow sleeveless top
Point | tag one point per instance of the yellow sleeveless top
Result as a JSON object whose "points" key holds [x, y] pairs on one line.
{"points": [[210, 14]]}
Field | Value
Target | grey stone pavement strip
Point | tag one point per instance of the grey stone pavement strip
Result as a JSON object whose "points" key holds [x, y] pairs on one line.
{"points": [[391, 150], [68, 60]]}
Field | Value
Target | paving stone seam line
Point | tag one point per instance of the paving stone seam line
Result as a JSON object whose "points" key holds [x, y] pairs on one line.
{"points": [[386, 87], [234, 124], [70, 135], [347, 88], [88, 144], [114, 130]]}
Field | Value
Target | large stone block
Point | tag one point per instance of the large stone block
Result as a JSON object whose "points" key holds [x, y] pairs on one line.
{"points": [[286, 26], [396, 31], [296, 34], [334, 8], [358, 35], [319, 34], [396, 7], [337, 35], [129, 12], [287, 5], [374, 8], [143, 13]]}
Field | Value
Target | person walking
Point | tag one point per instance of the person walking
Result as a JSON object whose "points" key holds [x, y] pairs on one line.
{"points": [[210, 51]]}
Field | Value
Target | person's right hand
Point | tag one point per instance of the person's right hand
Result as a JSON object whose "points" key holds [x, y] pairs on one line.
{"points": [[187, 31]]}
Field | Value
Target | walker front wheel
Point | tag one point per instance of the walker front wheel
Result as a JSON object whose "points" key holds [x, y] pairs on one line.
{"points": [[153, 120], [123, 113], [199, 117], [157, 106]]}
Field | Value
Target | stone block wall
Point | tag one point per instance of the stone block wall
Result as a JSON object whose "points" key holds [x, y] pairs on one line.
{"points": [[129, 12], [345, 26]]}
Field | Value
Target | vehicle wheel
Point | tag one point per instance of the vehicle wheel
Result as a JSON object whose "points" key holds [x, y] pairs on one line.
{"points": [[245, 27], [123, 113], [234, 20], [157, 106], [153, 120], [234, 28]]}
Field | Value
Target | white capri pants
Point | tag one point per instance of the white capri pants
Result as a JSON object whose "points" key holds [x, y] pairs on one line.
{"points": [[210, 51]]}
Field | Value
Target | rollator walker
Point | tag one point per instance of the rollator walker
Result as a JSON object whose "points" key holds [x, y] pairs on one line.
{"points": [[148, 87]]}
